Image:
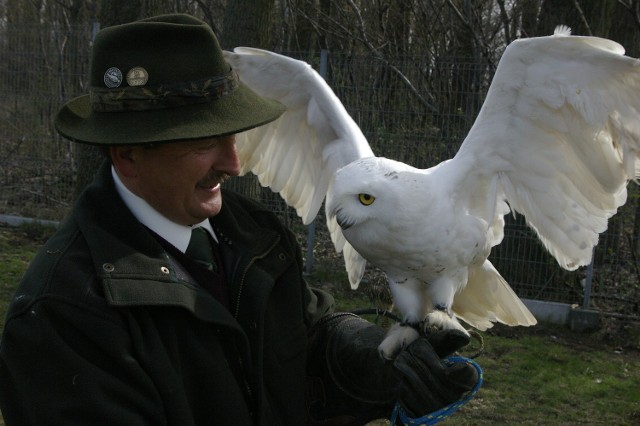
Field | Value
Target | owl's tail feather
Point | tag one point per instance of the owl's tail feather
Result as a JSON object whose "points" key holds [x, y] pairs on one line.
{"points": [[487, 298]]}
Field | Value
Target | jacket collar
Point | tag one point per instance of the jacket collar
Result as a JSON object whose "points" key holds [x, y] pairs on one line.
{"points": [[134, 268]]}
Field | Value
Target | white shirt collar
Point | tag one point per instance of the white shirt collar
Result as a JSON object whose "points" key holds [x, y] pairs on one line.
{"points": [[176, 234]]}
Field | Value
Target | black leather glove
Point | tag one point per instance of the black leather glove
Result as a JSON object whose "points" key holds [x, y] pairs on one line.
{"points": [[352, 384], [349, 383], [426, 382]]}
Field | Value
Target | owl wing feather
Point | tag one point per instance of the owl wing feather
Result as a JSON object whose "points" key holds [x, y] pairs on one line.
{"points": [[298, 154], [558, 138]]}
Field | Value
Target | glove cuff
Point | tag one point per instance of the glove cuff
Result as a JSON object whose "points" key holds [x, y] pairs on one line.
{"points": [[354, 364]]}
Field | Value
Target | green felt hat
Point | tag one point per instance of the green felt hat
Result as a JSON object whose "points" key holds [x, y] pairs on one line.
{"points": [[161, 79]]}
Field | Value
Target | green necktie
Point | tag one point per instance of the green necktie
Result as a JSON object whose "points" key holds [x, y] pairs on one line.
{"points": [[200, 249]]}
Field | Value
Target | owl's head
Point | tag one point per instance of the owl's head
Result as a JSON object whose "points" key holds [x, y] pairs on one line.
{"points": [[367, 196]]}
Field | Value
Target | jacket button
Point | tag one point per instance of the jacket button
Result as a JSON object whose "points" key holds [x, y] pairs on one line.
{"points": [[108, 267], [164, 270], [282, 256]]}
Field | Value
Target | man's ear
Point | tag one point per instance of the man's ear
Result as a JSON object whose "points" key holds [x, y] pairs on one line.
{"points": [[124, 160]]}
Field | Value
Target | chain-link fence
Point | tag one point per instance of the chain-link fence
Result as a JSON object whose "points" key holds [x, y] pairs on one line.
{"points": [[420, 123]]}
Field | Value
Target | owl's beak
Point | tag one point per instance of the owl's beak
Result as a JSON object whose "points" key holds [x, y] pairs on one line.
{"points": [[344, 222]]}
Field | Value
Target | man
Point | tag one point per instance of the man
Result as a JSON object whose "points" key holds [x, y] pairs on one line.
{"points": [[119, 320]]}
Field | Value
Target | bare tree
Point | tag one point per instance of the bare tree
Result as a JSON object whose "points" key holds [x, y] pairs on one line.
{"points": [[112, 12]]}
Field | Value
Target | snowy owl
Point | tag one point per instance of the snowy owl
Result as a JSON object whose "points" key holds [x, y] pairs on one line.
{"points": [[556, 140]]}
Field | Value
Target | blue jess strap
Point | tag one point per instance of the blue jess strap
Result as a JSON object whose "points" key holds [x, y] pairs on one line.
{"points": [[437, 416]]}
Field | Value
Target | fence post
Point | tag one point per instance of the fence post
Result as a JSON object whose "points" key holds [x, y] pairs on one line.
{"points": [[95, 27], [311, 229], [588, 280]]}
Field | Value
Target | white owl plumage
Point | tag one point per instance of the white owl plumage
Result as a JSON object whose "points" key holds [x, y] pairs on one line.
{"points": [[557, 140]]}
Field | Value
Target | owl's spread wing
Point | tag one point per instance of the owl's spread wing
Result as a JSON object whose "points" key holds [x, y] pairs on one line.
{"points": [[298, 154], [558, 138]]}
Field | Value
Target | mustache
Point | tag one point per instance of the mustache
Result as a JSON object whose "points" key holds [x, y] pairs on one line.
{"points": [[213, 178]]}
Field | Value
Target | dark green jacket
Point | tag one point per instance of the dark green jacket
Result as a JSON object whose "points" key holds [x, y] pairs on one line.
{"points": [[108, 328]]}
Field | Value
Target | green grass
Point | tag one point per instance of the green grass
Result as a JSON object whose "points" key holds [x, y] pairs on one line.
{"points": [[17, 247], [540, 378], [543, 375]]}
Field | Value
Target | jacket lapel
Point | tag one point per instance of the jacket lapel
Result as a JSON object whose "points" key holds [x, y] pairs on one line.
{"points": [[135, 270]]}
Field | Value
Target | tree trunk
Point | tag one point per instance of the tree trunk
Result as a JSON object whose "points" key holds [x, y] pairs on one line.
{"points": [[112, 12], [247, 23]]}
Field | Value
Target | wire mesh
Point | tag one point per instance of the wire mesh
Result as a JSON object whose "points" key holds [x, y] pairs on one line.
{"points": [[421, 123]]}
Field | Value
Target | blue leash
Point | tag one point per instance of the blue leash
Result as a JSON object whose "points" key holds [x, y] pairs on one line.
{"points": [[443, 413]]}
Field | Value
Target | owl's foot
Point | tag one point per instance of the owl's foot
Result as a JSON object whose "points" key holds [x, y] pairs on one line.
{"points": [[398, 337], [442, 319]]}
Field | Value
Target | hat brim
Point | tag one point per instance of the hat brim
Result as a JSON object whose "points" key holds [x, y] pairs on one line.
{"points": [[241, 110]]}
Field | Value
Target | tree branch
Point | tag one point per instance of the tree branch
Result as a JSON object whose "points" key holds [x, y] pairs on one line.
{"points": [[380, 57], [633, 6], [582, 17]]}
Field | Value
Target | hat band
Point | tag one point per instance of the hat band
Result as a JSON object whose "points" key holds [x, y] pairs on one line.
{"points": [[169, 95]]}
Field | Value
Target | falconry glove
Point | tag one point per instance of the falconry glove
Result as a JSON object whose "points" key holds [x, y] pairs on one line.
{"points": [[354, 384]]}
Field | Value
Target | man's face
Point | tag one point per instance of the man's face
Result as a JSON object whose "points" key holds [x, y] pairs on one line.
{"points": [[181, 180]]}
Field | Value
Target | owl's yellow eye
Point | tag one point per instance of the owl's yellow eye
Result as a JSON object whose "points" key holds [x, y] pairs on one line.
{"points": [[366, 199]]}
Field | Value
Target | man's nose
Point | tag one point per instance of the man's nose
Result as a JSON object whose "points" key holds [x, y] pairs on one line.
{"points": [[229, 162]]}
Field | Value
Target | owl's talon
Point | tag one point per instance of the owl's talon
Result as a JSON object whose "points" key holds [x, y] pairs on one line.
{"points": [[441, 320], [398, 337], [416, 325]]}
